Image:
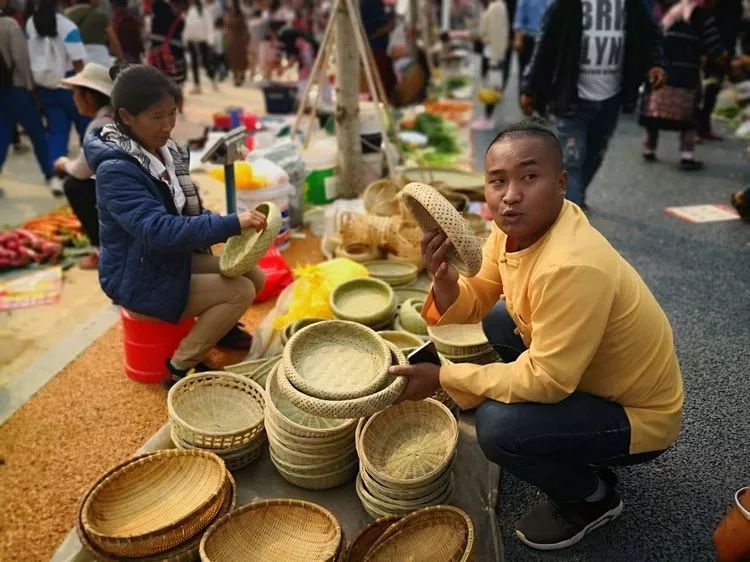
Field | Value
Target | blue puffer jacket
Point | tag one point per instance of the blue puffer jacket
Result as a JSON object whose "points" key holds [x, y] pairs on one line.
{"points": [[146, 246]]}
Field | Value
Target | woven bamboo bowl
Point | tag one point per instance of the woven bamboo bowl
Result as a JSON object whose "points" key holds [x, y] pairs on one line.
{"points": [[366, 301], [459, 339], [485, 358], [347, 409], [388, 493], [155, 503], [410, 317], [185, 552], [393, 272], [363, 542], [401, 507], [288, 530], [244, 251], [309, 445], [319, 481], [290, 418], [443, 533], [337, 360], [410, 443], [293, 456], [234, 458], [403, 340], [333, 465], [216, 410]]}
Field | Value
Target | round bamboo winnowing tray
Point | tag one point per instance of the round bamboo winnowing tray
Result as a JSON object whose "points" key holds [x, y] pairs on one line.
{"points": [[367, 536], [365, 301], [433, 533], [281, 529], [244, 251], [393, 272], [185, 552], [409, 443], [155, 503], [433, 211], [402, 340], [350, 408], [337, 360], [216, 410], [459, 340]]}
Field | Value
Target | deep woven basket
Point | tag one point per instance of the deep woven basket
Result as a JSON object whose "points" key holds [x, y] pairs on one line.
{"points": [[244, 251], [337, 360], [155, 503], [216, 410], [432, 211], [280, 529], [366, 301], [363, 542]]}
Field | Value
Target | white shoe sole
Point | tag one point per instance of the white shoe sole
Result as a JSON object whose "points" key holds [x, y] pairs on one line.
{"points": [[603, 520]]}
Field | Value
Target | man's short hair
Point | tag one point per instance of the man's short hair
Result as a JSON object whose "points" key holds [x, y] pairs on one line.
{"points": [[533, 127]]}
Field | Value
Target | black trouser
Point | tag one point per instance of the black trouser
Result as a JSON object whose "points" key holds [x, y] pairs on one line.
{"points": [[716, 74], [81, 195], [524, 57], [200, 53]]}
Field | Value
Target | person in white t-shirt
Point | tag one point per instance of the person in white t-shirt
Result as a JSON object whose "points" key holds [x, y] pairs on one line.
{"points": [[56, 51], [199, 36]]}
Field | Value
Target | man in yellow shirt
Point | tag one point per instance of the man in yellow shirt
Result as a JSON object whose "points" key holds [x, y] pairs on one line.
{"points": [[589, 376]]}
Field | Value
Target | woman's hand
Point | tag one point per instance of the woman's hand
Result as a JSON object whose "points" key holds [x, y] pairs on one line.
{"points": [[422, 380], [252, 219]]}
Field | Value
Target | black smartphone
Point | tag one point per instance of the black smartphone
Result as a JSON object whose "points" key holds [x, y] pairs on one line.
{"points": [[425, 354]]}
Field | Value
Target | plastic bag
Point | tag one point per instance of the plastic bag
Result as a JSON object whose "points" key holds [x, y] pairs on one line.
{"points": [[313, 287], [278, 275]]}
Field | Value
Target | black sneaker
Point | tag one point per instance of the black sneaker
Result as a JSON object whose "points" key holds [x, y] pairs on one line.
{"points": [[690, 165], [236, 338], [176, 375], [551, 526], [649, 156]]}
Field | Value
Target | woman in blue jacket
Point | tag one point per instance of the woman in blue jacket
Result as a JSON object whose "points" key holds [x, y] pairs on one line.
{"points": [[154, 230]]}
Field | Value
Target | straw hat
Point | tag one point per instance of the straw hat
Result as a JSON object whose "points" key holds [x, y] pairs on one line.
{"points": [[93, 76]]}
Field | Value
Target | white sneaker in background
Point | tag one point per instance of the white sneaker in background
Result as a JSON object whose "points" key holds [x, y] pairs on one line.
{"points": [[56, 186]]}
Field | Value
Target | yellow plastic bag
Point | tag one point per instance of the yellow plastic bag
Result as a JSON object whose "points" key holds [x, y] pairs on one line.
{"points": [[313, 287]]}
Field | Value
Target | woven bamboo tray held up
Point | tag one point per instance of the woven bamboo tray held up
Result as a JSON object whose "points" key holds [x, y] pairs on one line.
{"points": [[337, 360], [280, 529], [216, 410], [443, 533], [367, 536], [433, 211], [350, 408], [410, 317], [366, 301], [185, 552], [155, 503], [244, 251]]}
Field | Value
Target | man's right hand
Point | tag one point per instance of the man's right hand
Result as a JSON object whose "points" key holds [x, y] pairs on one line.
{"points": [[527, 104], [252, 219], [435, 246]]}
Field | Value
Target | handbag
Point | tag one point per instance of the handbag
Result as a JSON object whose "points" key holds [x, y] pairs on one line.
{"points": [[161, 56]]}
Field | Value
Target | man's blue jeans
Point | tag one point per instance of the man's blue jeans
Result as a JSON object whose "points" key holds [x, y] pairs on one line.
{"points": [[60, 112], [584, 137], [555, 447], [17, 106]]}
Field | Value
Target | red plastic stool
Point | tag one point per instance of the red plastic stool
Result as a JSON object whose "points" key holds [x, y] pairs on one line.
{"points": [[148, 345]]}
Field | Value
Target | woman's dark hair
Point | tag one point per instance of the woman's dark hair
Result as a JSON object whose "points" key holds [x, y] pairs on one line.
{"points": [[45, 18], [137, 87], [100, 99]]}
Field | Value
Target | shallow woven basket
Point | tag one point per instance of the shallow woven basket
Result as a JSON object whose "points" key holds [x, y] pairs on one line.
{"points": [[393, 272], [403, 340], [405, 293], [280, 529], [292, 456], [290, 418], [411, 495], [185, 552], [357, 251], [432, 211], [410, 443], [402, 507], [337, 360], [155, 503], [410, 317], [381, 198], [235, 458], [318, 481], [367, 536], [333, 445], [216, 410], [366, 301], [352, 408], [459, 340], [244, 251], [443, 533], [485, 358]]}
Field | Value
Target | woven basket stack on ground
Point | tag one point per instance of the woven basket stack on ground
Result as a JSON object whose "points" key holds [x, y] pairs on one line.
{"points": [[155, 506], [219, 412], [338, 369], [393, 272], [462, 343], [367, 301], [282, 529], [406, 454], [395, 237], [255, 369]]}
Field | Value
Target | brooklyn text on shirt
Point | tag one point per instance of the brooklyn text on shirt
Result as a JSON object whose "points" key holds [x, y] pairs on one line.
{"points": [[603, 39]]}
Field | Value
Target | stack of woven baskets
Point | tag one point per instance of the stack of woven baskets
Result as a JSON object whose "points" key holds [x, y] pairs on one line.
{"points": [[459, 343], [395, 273], [368, 301], [406, 455], [308, 451], [221, 413], [155, 506]]}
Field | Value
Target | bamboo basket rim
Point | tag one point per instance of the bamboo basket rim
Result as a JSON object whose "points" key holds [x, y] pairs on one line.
{"points": [[243, 251], [353, 339], [306, 444], [208, 500], [379, 526], [441, 412], [464, 338], [320, 481], [410, 317], [281, 450], [406, 292], [322, 469], [395, 270], [405, 337], [241, 512], [438, 497], [407, 494], [364, 285], [223, 454]]}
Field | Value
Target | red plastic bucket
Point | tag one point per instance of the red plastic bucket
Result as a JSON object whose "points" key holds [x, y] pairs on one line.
{"points": [[148, 345]]}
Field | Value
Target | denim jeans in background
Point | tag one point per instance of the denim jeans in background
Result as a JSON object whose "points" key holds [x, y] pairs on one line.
{"points": [[552, 446], [61, 113], [584, 137], [18, 106]]}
